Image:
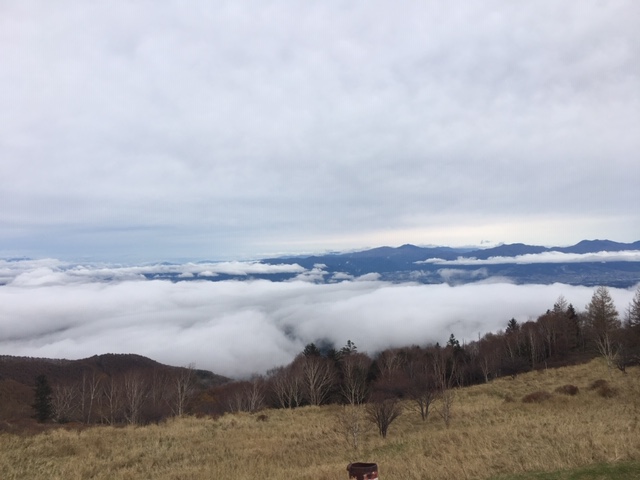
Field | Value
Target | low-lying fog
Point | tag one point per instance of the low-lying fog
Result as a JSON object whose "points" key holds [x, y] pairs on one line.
{"points": [[236, 328]]}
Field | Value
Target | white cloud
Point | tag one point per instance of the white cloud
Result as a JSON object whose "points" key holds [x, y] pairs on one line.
{"points": [[237, 328], [545, 257], [453, 275], [316, 275], [207, 273], [368, 277], [54, 272], [340, 276], [248, 268]]}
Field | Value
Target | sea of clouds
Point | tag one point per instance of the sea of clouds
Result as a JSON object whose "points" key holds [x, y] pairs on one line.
{"points": [[49, 308]]}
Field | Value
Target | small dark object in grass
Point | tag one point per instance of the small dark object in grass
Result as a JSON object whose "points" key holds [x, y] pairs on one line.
{"points": [[568, 390], [262, 418], [603, 388], [536, 397], [596, 384], [607, 391]]}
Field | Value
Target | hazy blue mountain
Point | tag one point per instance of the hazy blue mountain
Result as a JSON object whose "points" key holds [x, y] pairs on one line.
{"points": [[510, 250], [399, 264], [591, 246], [585, 246]]}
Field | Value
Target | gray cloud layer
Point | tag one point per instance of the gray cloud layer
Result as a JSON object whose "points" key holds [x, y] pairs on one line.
{"points": [[155, 130], [238, 328]]}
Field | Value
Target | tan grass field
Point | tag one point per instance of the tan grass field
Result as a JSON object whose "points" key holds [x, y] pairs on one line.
{"points": [[492, 433]]}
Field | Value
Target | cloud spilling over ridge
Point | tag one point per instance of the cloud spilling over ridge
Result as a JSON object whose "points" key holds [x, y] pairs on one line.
{"points": [[238, 328], [545, 257]]}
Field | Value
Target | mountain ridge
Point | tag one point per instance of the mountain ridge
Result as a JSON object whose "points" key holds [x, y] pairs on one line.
{"points": [[25, 369], [18, 379], [408, 263]]}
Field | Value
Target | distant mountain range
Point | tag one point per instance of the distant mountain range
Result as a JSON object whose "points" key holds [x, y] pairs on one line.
{"points": [[588, 263], [458, 266]]}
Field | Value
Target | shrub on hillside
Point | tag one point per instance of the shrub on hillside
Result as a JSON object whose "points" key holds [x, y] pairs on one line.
{"points": [[567, 390], [596, 384], [383, 411], [536, 397], [603, 389], [607, 391]]}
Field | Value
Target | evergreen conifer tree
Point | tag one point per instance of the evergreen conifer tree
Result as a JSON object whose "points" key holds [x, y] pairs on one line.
{"points": [[42, 404], [633, 313], [603, 322]]}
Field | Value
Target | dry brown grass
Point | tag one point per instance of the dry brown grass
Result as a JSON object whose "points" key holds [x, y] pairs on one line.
{"points": [[488, 436]]}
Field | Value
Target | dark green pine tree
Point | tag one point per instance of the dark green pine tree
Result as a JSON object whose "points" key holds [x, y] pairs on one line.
{"points": [[348, 349], [311, 350], [633, 313], [513, 326], [453, 342], [42, 404]]}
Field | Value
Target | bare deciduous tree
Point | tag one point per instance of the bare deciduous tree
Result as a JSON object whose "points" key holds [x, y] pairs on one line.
{"points": [[277, 378], [447, 397], [530, 331], [354, 369], [135, 393], [382, 411], [254, 394], [89, 392], [352, 423], [489, 354], [389, 362], [161, 389], [423, 391], [63, 401], [318, 377], [286, 385], [246, 396], [444, 367], [111, 400], [235, 398], [183, 383]]}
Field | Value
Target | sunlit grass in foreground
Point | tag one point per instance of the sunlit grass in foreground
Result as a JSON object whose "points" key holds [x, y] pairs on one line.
{"points": [[493, 434]]}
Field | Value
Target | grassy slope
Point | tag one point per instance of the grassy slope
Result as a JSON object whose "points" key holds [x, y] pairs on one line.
{"points": [[489, 438]]}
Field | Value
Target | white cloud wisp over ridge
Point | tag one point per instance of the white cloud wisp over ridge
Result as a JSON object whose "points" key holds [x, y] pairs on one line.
{"points": [[545, 257], [237, 328]]}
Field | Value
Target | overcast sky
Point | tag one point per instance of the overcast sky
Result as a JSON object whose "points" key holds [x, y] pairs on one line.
{"points": [[152, 130]]}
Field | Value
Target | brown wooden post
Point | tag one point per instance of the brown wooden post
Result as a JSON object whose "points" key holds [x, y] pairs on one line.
{"points": [[363, 471]]}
